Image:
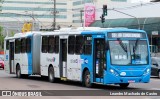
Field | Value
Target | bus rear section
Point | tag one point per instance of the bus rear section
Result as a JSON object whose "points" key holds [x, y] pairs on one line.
{"points": [[117, 58], [22, 54]]}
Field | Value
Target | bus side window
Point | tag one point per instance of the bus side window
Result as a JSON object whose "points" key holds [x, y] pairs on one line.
{"points": [[87, 45], [7, 45], [51, 43], [44, 44], [28, 45], [79, 44], [71, 44], [23, 45], [18, 46], [56, 44]]}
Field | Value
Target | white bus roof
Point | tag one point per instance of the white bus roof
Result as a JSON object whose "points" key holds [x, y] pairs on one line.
{"points": [[17, 35]]}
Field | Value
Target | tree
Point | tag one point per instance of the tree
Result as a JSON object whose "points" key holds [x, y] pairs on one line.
{"points": [[12, 33], [1, 39]]}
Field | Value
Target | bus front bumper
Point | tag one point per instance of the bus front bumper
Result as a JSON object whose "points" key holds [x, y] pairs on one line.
{"points": [[113, 79]]}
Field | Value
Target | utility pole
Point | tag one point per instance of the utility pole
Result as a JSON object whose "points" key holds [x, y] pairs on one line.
{"points": [[54, 15], [81, 11]]}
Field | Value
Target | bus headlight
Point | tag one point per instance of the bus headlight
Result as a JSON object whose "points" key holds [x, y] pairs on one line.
{"points": [[147, 71], [113, 72]]}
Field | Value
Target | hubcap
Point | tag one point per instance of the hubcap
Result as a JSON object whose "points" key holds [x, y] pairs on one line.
{"points": [[88, 79], [50, 76], [18, 73]]}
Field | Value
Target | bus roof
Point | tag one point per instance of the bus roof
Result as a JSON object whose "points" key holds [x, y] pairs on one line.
{"points": [[17, 35], [88, 30], [75, 31]]}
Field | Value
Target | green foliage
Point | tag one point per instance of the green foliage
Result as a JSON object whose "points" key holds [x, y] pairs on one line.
{"points": [[12, 33], [1, 38]]}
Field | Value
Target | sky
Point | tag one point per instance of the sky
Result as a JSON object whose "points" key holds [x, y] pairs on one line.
{"points": [[135, 1]]}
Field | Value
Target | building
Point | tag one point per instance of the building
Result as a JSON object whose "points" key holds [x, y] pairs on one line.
{"points": [[40, 12]]}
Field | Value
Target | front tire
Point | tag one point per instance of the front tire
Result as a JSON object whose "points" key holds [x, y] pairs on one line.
{"points": [[124, 85], [87, 79], [51, 75]]}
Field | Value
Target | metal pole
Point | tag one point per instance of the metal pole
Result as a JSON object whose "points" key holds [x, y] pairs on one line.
{"points": [[33, 21], [151, 43], [54, 15], [81, 17], [144, 23]]}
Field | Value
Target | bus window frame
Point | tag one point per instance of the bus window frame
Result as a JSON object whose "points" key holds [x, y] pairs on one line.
{"points": [[71, 44], [23, 45], [44, 47], [86, 51], [52, 45], [57, 44], [80, 49], [18, 46]]}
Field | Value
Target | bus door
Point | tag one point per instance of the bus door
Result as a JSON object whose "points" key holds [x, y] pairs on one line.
{"points": [[63, 57], [11, 57], [99, 58]]}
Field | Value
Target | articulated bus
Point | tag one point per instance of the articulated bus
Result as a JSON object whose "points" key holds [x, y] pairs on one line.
{"points": [[91, 56]]}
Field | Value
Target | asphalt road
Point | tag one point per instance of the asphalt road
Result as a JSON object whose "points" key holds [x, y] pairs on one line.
{"points": [[10, 82]]}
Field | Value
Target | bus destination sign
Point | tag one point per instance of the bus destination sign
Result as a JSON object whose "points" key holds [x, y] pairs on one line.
{"points": [[126, 35]]}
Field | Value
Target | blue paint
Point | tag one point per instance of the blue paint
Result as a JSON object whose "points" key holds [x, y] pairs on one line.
{"points": [[138, 75], [6, 57], [30, 57]]}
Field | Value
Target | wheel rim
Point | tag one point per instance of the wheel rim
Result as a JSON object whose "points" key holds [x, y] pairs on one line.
{"points": [[18, 73], [50, 76], [88, 79]]}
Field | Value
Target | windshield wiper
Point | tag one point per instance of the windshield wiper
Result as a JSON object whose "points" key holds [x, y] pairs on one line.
{"points": [[122, 45], [135, 47]]}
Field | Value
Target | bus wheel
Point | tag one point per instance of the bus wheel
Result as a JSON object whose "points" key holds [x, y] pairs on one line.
{"points": [[51, 75], [87, 77], [18, 72], [124, 85]]}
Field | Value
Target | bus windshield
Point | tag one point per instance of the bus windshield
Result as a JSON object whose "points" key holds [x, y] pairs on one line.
{"points": [[128, 52]]}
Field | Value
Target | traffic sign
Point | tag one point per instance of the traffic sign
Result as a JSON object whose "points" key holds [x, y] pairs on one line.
{"points": [[154, 32]]}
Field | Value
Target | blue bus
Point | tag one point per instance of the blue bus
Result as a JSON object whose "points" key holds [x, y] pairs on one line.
{"points": [[89, 55], [116, 56]]}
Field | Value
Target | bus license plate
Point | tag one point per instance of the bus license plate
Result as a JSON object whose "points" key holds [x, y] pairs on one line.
{"points": [[131, 81]]}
